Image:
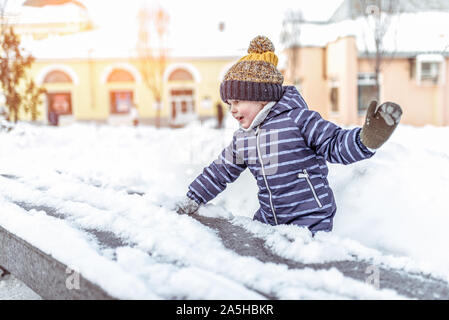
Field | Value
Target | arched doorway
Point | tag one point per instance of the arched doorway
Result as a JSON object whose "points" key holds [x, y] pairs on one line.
{"points": [[121, 83], [59, 101], [121, 100], [181, 97]]}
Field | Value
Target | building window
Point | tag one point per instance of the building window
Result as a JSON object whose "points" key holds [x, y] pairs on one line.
{"points": [[334, 96], [121, 101], [334, 99], [412, 68], [429, 68], [57, 76], [120, 75], [180, 75], [60, 103], [366, 89], [430, 71]]}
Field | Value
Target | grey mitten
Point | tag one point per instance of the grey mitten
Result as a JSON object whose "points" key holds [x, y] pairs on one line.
{"points": [[380, 123], [186, 206]]}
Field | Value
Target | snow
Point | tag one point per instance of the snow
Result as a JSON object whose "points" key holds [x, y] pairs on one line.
{"points": [[13, 289], [406, 34], [401, 195], [120, 40], [102, 43], [67, 13], [391, 209]]}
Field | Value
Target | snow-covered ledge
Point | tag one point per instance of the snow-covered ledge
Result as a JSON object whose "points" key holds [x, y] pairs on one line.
{"points": [[41, 272]]}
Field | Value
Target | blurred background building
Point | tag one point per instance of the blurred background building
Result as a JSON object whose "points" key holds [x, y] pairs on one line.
{"points": [[396, 51], [98, 74], [392, 50]]}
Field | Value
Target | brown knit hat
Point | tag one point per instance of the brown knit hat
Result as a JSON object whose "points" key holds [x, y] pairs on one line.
{"points": [[254, 77]]}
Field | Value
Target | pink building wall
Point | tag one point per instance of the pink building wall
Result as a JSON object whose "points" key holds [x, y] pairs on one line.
{"points": [[310, 71], [338, 64]]}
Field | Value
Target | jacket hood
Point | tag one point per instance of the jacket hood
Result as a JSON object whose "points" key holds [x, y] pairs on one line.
{"points": [[284, 104]]}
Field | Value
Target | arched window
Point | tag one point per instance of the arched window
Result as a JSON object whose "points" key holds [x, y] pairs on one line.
{"points": [[180, 75], [120, 75], [57, 76]]}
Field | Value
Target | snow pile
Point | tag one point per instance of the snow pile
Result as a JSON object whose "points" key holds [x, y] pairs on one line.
{"points": [[396, 202], [13, 289], [391, 210], [187, 259]]}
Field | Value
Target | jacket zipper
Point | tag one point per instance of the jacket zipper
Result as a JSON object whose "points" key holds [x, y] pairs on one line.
{"points": [[305, 174], [263, 174]]}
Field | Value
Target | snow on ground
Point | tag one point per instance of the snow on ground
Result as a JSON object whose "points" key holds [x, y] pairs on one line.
{"points": [[13, 289], [397, 201], [391, 209]]}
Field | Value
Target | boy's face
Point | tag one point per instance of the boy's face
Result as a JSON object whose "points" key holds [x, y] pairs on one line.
{"points": [[245, 111]]}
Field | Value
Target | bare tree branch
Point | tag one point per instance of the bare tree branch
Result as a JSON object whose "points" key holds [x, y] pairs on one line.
{"points": [[379, 16], [153, 54], [290, 38]]}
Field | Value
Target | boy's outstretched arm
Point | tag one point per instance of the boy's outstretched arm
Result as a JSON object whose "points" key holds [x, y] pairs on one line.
{"points": [[346, 146], [213, 180]]}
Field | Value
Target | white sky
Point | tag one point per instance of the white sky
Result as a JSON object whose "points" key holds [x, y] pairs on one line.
{"points": [[236, 11], [200, 18], [243, 19], [193, 27]]}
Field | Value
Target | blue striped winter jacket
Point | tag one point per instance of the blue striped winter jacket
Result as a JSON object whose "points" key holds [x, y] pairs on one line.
{"points": [[287, 155]]}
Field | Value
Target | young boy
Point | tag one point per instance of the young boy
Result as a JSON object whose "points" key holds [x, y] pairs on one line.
{"points": [[285, 145]]}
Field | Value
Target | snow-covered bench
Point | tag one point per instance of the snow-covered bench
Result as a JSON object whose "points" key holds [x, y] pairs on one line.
{"points": [[44, 274], [42, 241]]}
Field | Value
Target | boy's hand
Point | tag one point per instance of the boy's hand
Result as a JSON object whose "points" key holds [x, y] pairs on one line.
{"points": [[186, 206], [380, 123]]}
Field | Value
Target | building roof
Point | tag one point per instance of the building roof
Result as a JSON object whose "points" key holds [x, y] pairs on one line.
{"points": [[352, 9], [120, 40], [66, 13], [408, 33]]}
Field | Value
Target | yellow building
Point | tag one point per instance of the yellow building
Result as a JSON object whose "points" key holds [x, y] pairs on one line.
{"points": [[94, 74], [105, 90]]}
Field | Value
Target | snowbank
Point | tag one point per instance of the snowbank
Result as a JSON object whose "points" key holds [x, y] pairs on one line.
{"points": [[391, 210]]}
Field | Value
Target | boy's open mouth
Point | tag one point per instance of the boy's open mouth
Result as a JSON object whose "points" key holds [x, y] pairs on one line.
{"points": [[239, 118]]}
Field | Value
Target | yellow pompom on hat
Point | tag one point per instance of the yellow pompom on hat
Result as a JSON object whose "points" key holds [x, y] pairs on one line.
{"points": [[255, 76]]}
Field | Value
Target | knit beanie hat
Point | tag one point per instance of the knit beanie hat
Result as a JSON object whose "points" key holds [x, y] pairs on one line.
{"points": [[254, 77]]}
